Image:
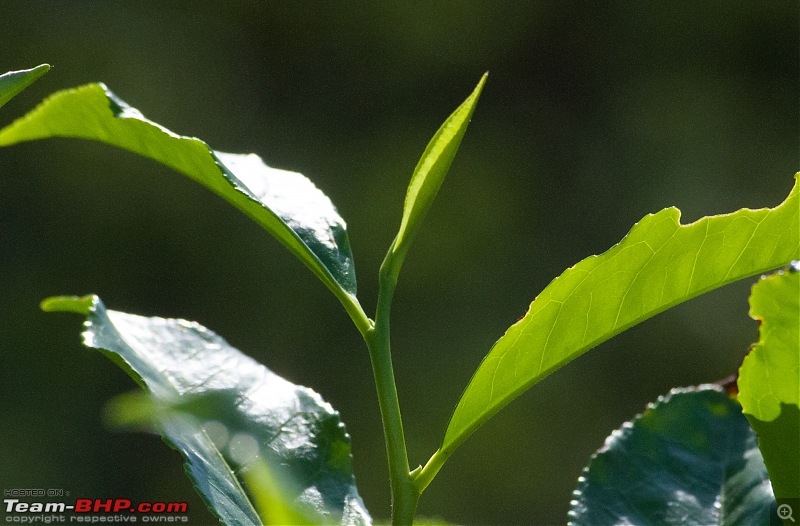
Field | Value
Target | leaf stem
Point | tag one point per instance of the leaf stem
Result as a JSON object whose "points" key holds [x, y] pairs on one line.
{"points": [[404, 493], [355, 311], [423, 477]]}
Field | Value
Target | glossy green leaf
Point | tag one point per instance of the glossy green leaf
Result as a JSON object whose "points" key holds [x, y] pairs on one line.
{"points": [[769, 379], [432, 169], [13, 82], [241, 413], [285, 203], [212, 476], [659, 264], [690, 459], [272, 493]]}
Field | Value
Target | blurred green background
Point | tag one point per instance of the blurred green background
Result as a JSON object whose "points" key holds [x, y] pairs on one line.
{"points": [[595, 114]]}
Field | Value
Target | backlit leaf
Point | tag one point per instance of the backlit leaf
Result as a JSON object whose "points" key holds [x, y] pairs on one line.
{"points": [[769, 379], [659, 264]]}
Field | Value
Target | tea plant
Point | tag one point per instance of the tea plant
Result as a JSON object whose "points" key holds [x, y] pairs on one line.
{"points": [[261, 450]]}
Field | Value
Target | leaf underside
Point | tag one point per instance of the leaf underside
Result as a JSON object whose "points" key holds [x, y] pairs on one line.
{"points": [[659, 264], [285, 203], [242, 414], [690, 459], [13, 82], [769, 379]]}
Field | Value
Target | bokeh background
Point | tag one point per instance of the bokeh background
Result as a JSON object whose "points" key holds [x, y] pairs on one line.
{"points": [[595, 114]]}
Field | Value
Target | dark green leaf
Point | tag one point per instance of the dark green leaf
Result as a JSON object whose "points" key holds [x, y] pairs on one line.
{"points": [[769, 379], [690, 459], [659, 264], [241, 413], [285, 203], [13, 82]]}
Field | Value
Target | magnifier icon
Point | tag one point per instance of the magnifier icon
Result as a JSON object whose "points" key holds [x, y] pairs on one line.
{"points": [[785, 512]]}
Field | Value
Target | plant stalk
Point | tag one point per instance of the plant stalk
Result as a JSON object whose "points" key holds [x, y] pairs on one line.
{"points": [[424, 476], [404, 493], [354, 310]]}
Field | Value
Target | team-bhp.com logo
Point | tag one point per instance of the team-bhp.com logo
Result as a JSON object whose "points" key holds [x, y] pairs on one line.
{"points": [[94, 511]]}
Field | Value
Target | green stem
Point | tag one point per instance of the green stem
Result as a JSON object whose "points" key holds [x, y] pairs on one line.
{"points": [[354, 310], [404, 493], [425, 476]]}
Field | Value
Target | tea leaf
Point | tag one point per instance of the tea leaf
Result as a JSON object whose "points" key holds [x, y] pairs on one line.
{"points": [[431, 170], [769, 379], [285, 203], [690, 459], [227, 414], [13, 82], [659, 264]]}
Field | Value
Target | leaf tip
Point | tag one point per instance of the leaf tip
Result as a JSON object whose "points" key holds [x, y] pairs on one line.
{"points": [[13, 82], [34, 74], [479, 88], [77, 304]]}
